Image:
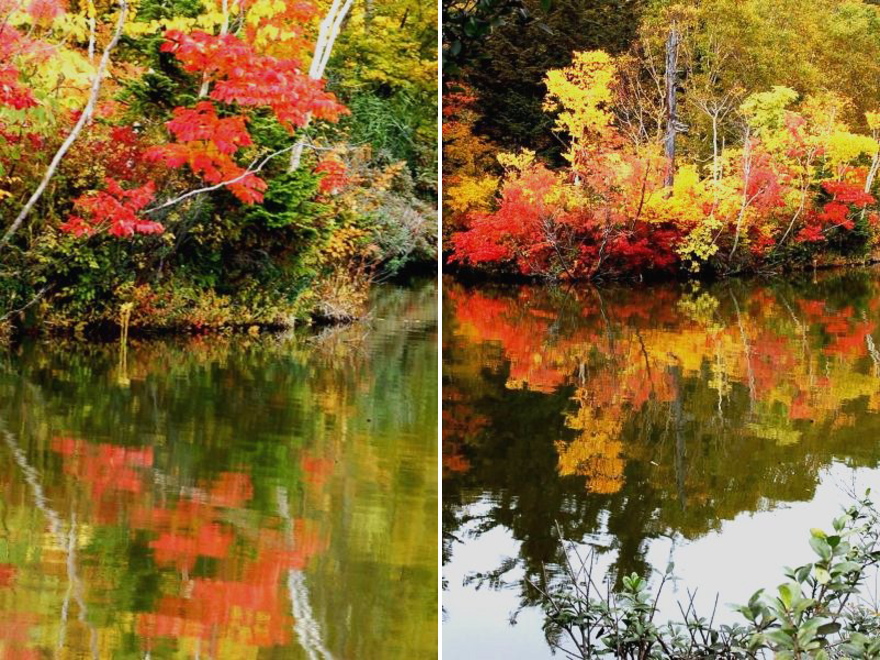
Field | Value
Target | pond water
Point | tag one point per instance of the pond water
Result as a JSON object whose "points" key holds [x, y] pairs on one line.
{"points": [[224, 497], [710, 426]]}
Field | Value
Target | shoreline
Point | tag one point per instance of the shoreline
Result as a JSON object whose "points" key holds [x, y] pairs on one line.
{"points": [[474, 276], [108, 332]]}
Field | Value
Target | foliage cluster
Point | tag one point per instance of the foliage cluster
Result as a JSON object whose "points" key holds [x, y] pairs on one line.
{"points": [[184, 194], [774, 157]]}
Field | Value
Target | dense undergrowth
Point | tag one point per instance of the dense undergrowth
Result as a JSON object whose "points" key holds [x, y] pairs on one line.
{"points": [[698, 137], [235, 163]]}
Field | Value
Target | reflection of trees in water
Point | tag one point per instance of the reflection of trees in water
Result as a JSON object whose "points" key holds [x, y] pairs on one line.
{"points": [[232, 494], [642, 413], [67, 541]]}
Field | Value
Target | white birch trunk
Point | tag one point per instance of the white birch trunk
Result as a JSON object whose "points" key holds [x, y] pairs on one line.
{"points": [[327, 34], [74, 133]]}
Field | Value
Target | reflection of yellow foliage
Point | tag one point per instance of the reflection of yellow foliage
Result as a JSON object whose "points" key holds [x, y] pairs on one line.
{"points": [[702, 308], [760, 351], [781, 436], [596, 453], [844, 420], [720, 379]]}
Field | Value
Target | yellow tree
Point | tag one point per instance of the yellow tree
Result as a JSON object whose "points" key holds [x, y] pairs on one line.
{"points": [[582, 94]]}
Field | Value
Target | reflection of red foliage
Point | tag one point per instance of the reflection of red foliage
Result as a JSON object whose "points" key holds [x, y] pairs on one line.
{"points": [[182, 550], [243, 601], [627, 348], [113, 455], [308, 542], [7, 573], [253, 610], [460, 427], [317, 469], [108, 468], [231, 489], [851, 341], [250, 605], [521, 331], [15, 634], [801, 407]]}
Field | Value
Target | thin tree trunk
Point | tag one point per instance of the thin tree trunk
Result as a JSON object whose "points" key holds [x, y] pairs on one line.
{"points": [[56, 527], [747, 169], [872, 173], [804, 189], [92, 29], [680, 444], [306, 626], [716, 164], [224, 30], [747, 351], [74, 133], [671, 103], [329, 30]]}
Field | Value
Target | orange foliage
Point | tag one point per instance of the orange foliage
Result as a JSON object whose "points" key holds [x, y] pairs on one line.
{"points": [[623, 356]]}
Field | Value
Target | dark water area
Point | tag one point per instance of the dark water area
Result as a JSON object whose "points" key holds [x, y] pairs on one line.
{"points": [[224, 497], [707, 425]]}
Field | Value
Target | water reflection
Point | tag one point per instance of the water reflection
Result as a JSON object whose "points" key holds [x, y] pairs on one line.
{"points": [[224, 497], [643, 420]]}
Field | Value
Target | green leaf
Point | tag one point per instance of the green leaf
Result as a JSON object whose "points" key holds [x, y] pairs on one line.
{"points": [[829, 628], [787, 594], [801, 574], [820, 547], [780, 638]]}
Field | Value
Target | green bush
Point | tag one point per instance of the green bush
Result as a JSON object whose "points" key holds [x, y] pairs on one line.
{"points": [[817, 613]]}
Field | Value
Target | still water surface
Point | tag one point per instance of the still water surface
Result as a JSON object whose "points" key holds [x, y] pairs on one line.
{"points": [[224, 497], [709, 426]]}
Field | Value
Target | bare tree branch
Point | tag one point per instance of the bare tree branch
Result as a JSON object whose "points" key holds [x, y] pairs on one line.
{"points": [[77, 129], [217, 186]]}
